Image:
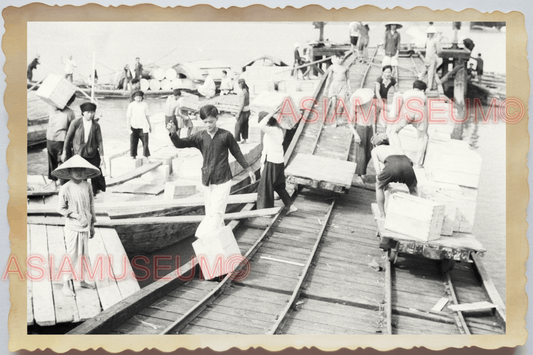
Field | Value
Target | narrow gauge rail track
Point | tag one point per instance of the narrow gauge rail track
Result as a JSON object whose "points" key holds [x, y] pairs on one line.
{"points": [[416, 284], [279, 255]]}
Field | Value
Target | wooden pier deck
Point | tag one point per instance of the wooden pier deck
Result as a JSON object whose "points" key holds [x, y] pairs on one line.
{"points": [[319, 270], [46, 303]]}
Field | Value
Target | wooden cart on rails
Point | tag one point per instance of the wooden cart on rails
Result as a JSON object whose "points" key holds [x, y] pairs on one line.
{"points": [[447, 250]]}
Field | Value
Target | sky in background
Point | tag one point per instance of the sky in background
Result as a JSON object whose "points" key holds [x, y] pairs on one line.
{"points": [[236, 43]]}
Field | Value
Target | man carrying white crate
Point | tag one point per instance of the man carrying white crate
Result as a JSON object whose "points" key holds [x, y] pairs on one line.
{"points": [[413, 110], [391, 165]]}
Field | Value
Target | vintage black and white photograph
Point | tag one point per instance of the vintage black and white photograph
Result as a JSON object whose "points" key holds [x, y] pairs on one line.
{"points": [[266, 178]]}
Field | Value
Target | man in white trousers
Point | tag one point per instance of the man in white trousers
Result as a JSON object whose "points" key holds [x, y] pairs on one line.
{"points": [[214, 144]]}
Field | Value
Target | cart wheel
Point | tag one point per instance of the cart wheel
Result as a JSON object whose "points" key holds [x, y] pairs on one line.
{"points": [[393, 255], [446, 265]]}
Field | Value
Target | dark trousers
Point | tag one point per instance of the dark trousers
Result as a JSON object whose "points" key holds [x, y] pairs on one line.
{"points": [[364, 149], [241, 126], [272, 179], [98, 183], [54, 149], [137, 133]]}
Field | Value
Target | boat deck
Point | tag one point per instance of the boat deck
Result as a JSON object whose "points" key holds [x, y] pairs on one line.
{"points": [[47, 304]]}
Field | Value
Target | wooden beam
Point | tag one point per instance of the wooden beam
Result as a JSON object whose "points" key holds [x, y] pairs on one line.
{"points": [[490, 289], [461, 322], [186, 202], [156, 220], [133, 174], [474, 306], [36, 193], [388, 297]]}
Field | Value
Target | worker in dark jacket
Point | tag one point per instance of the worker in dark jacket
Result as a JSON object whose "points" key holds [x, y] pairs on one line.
{"points": [[214, 144]]}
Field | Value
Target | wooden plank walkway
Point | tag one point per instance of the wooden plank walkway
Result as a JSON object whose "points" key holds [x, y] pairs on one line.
{"points": [[342, 287], [47, 304]]}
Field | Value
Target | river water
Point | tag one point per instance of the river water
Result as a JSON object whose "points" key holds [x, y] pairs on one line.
{"points": [[237, 43]]}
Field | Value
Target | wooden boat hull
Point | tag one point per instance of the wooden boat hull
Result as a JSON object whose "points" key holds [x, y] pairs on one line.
{"points": [[36, 134], [147, 238]]}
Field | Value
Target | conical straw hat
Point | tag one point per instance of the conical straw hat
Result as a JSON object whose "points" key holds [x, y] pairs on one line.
{"points": [[364, 95], [398, 26], [89, 170]]}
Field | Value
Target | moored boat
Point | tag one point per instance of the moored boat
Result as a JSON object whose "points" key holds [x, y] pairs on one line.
{"points": [[147, 237]]}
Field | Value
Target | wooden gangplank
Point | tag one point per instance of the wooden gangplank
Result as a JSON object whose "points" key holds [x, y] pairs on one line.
{"points": [[326, 140], [47, 304], [287, 273]]}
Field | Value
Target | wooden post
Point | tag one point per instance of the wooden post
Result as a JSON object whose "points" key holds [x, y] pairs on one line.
{"points": [[92, 84], [320, 26], [459, 93]]}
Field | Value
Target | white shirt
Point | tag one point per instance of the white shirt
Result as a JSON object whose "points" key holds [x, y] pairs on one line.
{"points": [[272, 143], [354, 29], [69, 67], [225, 84], [138, 115], [171, 105], [86, 129]]}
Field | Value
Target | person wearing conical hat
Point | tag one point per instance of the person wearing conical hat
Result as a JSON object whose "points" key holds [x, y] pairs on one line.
{"points": [[76, 204], [84, 138], [433, 47], [391, 45]]}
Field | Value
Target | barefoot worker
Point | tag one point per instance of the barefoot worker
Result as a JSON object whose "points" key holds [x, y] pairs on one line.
{"points": [[76, 204], [337, 83], [364, 115], [243, 114], [171, 105], [214, 144], [418, 117], [397, 167], [273, 169]]}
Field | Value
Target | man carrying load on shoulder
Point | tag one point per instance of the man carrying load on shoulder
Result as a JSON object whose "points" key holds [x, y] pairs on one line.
{"points": [[413, 110]]}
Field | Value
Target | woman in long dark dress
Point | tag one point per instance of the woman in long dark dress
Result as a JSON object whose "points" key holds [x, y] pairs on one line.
{"points": [[273, 170], [84, 138]]}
